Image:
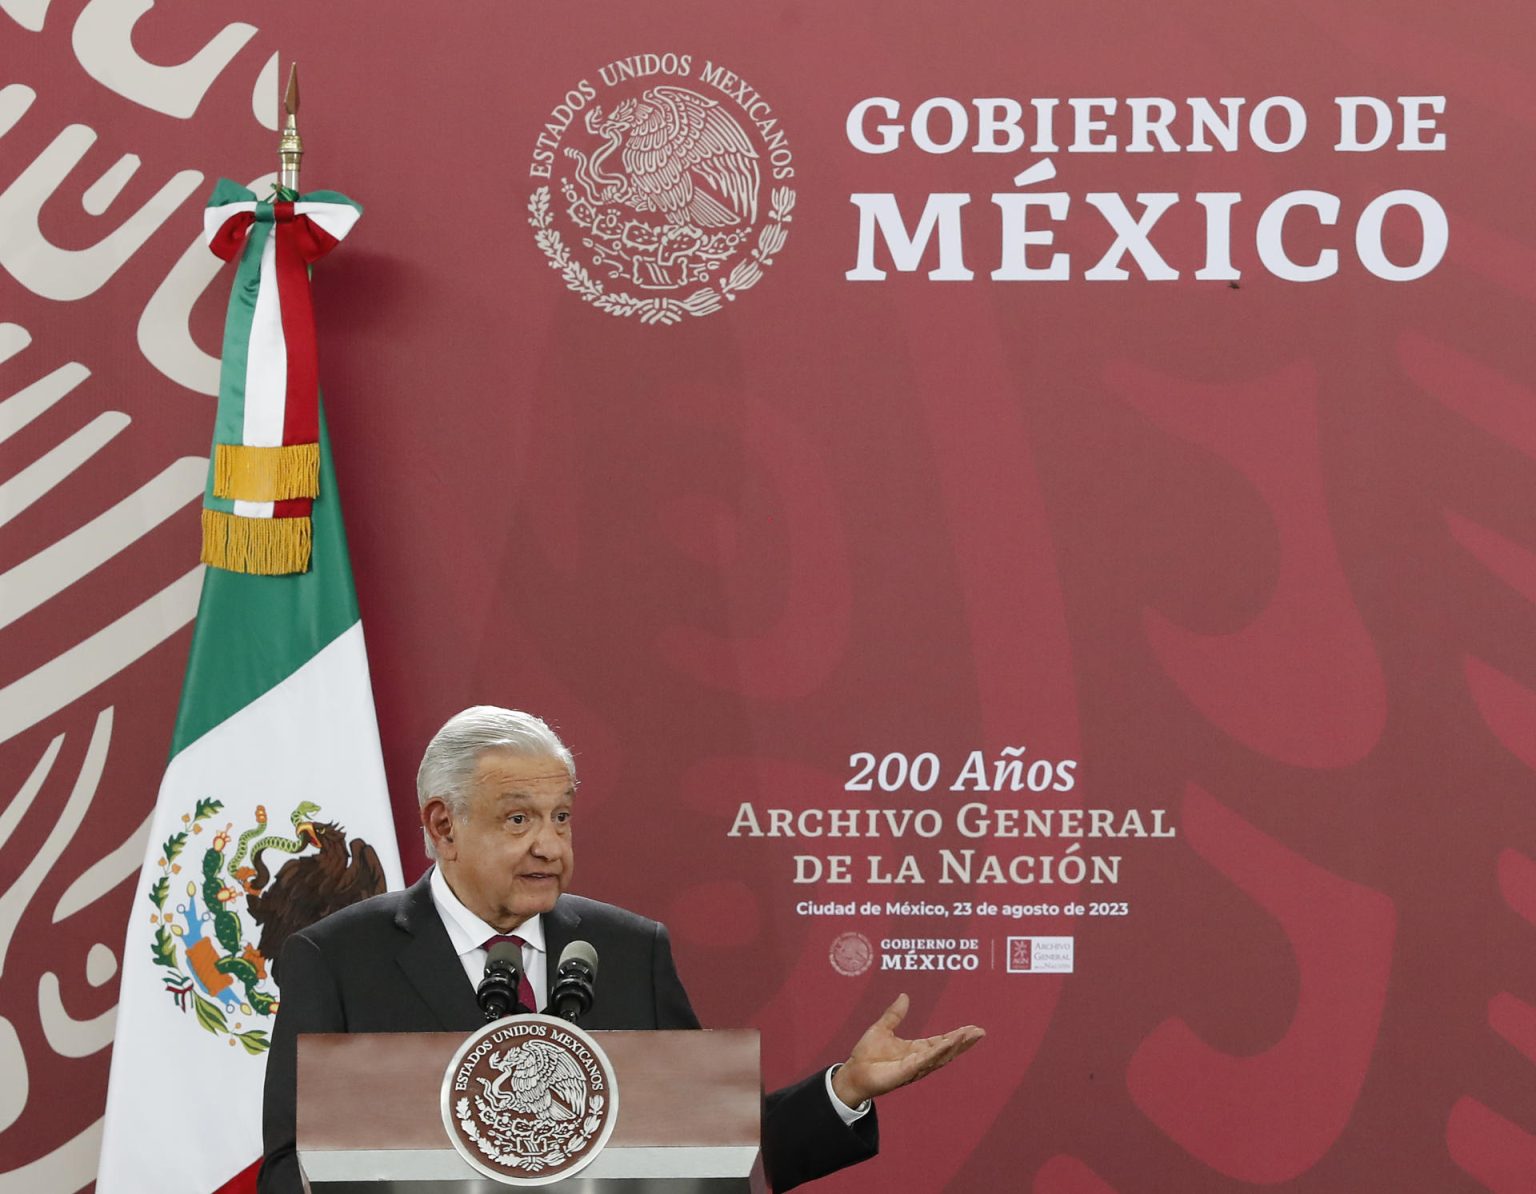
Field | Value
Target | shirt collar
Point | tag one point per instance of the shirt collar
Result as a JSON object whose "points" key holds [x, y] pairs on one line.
{"points": [[468, 932]]}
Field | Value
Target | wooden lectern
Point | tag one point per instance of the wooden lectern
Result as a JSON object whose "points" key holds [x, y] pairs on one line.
{"points": [[689, 1121]]}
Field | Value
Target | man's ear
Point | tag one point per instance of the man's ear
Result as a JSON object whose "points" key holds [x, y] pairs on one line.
{"points": [[437, 820]]}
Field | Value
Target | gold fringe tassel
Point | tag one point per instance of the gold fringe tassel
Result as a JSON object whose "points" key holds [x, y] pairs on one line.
{"points": [[261, 546], [247, 474]]}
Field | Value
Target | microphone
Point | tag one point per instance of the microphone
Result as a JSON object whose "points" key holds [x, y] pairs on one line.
{"points": [[572, 993], [497, 992]]}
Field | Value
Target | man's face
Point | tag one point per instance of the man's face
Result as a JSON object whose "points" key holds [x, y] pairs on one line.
{"points": [[507, 856]]}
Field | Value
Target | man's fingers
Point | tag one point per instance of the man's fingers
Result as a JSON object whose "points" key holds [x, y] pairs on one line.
{"points": [[939, 1051], [895, 1014], [965, 1037], [968, 1036]]}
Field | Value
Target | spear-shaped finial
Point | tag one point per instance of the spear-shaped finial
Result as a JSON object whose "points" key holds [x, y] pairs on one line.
{"points": [[290, 147]]}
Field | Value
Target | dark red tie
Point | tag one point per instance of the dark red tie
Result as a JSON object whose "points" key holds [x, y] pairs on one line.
{"points": [[524, 987]]}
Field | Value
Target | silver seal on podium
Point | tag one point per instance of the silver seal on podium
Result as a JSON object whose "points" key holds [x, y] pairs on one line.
{"points": [[529, 1100]]}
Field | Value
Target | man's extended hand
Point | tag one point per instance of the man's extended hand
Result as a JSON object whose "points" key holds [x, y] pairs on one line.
{"points": [[882, 1061]]}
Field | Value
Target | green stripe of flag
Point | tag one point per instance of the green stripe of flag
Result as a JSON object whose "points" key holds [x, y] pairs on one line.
{"points": [[253, 632]]}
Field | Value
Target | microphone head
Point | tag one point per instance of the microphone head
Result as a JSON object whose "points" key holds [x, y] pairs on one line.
{"points": [[572, 994], [497, 991], [580, 952]]}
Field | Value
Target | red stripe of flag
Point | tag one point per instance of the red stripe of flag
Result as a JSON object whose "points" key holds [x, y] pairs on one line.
{"points": [[243, 1182], [299, 241]]}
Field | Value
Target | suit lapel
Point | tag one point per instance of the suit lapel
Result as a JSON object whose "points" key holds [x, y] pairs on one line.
{"points": [[430, 963]]}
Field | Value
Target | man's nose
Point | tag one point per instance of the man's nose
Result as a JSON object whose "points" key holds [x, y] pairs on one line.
{"points": [[547, 843]]}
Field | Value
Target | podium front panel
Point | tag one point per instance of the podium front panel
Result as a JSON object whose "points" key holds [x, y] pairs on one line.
{"points": [[689, 1121]]}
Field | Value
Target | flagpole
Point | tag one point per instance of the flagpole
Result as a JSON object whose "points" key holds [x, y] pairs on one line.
{"points": [[290, 147]]}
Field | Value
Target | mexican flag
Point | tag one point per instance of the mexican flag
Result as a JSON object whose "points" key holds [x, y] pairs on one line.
{"points": [[273, 810]]}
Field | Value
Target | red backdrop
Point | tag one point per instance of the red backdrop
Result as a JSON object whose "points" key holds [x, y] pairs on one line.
{"points": [[1254, 551]]}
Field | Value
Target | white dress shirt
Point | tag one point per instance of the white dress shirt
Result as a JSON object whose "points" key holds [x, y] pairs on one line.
{"points": [[468, 934]]}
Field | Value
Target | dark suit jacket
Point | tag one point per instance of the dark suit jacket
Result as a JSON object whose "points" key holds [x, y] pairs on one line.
{"points": [[386, 965]]}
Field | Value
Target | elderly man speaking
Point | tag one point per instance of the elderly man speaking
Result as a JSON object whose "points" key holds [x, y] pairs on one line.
{"points": [[497, 789]]}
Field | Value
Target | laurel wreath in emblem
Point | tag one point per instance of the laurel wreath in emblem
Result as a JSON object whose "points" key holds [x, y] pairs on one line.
{"points": [[744, 275], [503, 1140], [201, 947]]}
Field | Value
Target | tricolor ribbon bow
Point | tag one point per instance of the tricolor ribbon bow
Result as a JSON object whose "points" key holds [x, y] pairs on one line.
{"points": [[265, 471]]}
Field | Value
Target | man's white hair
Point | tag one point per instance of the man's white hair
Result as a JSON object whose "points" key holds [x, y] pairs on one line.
{"points": [[455, 750]]}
